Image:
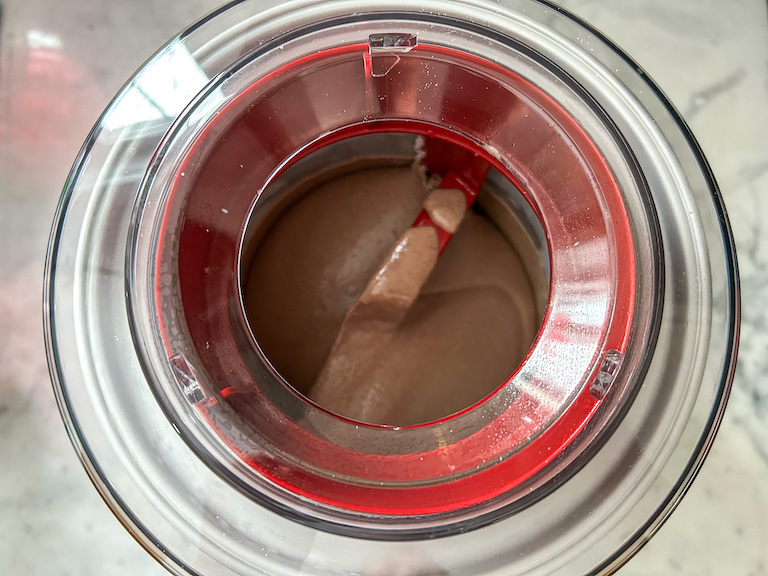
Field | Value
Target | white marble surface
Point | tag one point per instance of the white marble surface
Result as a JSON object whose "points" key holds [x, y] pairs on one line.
{"points": [[60, 62]]}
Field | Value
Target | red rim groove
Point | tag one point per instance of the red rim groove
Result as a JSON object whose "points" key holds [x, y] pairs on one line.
{"points": [[496, 456]]}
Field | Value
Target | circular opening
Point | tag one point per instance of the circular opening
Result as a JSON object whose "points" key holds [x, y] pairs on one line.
{"points": [[510, 145], [338, 217]]}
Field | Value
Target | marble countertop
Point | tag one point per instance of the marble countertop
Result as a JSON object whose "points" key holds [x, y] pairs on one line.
{"points": [[61, 62]]}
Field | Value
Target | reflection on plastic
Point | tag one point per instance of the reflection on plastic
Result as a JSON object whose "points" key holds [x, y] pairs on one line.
{"points": [[162, 91]]}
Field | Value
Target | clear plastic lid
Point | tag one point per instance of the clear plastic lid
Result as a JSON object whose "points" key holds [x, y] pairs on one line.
{"points": [[208, 455]]}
